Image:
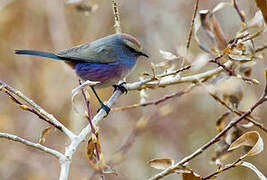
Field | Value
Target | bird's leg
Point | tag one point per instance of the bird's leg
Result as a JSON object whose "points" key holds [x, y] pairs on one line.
{"points": [[103, 106], [120, 87]]}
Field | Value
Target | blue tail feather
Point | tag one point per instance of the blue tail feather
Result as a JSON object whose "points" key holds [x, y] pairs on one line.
{"points": [[38, 53]]}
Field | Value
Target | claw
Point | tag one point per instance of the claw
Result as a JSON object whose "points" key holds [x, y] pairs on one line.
{"points": [[120, 87], [105, 108]]}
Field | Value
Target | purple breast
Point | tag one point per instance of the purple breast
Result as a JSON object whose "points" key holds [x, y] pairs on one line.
{"points": [[106, 74]]}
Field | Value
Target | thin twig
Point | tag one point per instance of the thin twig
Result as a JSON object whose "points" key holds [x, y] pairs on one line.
{"points": [[227, 167], [157, 101], [238, 11], [26, 108], [192, 24], [93, 130], [215, 139], [233, 73], [39, 110], [261, 48], [34, 145], [250, 119]]}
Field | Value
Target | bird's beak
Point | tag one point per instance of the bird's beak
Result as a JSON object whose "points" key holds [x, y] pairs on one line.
{"points": [[143, 54]]}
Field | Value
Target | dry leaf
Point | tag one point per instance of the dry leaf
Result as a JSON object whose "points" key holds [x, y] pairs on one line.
{"points": [[253, 168], [257, 21], [161, 164], [44, 134], [91, 152], [220, 123], [167, 55], [252, 139], [262, 5], [221, 43], [191, 176], [233, 134], [202, 32], [221, 152]]}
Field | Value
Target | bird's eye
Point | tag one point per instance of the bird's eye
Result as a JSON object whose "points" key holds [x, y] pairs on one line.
{"points": [[133, 47]]}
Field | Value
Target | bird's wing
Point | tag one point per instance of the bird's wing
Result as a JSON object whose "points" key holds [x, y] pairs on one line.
{"points": [[95, 52]]}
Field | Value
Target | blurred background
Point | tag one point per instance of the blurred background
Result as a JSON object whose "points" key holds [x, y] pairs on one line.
{"points": [[159, 25]]}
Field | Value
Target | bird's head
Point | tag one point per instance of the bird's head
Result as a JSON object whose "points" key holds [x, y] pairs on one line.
{"points": [[133, 45]]}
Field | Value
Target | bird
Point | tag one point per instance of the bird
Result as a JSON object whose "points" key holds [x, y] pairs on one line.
{"points": [[106, 60]]}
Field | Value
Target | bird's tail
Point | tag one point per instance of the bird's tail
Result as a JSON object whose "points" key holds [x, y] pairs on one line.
{"points": [[38, 53]]}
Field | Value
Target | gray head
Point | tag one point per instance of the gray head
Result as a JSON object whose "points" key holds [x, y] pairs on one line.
{"points": [[131, 44]]}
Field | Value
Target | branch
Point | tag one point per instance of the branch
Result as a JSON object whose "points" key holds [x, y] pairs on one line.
{"points": [[117, 24], [71, 149], [227, 167], [38, 109], [26, 108], [31, 144], [213, 140], [238, 11], [216, 98], [157, 101], [192, 24], [167, 81]]}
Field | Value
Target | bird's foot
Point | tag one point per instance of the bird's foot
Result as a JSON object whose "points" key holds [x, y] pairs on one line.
{"points": [[105, 108], [120, 87]]}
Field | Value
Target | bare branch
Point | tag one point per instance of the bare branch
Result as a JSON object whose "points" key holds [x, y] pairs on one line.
{"points": [[234, 164], [211, 142], [38, 109], [157, 101], [31, 144], [192, 24]]}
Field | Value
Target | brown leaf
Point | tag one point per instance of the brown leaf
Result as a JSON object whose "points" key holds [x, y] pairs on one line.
{"points": [[161, 164], [252, 139], [191, 176], [91, 152], [262, 5], [202, 32], [220, 124], [218, 34], [44, 134]]}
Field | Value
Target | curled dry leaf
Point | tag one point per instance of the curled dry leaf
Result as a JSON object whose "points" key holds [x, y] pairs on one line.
{"points": [[202, 32], [44, 134], [253, 168], [91, 152], [162, 163], [252, 139]]}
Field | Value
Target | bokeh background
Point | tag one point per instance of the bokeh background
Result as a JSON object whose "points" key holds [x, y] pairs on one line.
{"points": [[159, 24]]}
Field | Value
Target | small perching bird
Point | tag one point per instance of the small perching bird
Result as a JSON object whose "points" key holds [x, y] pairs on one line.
{"points": [[106, 60]]}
